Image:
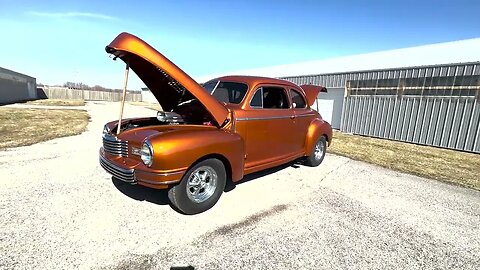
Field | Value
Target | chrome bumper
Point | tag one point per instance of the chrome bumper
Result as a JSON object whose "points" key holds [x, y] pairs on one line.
{"points": [[119, 173], [129, 175]]}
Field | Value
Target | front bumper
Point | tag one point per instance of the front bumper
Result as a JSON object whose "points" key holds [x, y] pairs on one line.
{"points": [[119, 173], [137, 176]]}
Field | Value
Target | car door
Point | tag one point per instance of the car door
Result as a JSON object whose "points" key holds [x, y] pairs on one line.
{"points": [[303, 117], [270, 121]]}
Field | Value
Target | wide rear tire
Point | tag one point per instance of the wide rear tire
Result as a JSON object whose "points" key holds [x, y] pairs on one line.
{"points": [[318, 152], [200, 188]]}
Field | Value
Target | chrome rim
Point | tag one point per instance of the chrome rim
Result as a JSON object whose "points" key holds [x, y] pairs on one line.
{"points": [[319, 148], [201, 184]]}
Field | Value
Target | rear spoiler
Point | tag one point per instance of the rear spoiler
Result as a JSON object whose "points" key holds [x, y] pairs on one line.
{"points": [[311, 91]]}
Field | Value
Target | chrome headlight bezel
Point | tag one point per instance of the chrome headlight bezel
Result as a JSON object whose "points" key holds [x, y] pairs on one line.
{"points": [[146, 153]]}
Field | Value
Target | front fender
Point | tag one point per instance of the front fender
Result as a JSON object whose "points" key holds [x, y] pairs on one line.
{"points": [[317, 128], [178, 150]]}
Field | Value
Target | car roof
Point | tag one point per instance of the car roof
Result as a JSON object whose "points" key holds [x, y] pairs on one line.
{"points": [[254, 80]]}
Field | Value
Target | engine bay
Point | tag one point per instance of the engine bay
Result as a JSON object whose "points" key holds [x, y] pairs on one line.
{"points": [[190, 112]]}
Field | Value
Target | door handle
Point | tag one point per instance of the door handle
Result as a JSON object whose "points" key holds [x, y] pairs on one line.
{"points": [[292, 116]]}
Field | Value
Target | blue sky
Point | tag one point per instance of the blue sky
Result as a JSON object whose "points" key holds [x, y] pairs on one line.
{"points": [[59, 41]]}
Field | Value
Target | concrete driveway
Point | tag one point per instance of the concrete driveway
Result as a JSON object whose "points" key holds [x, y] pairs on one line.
{"points": [[60, 210]]}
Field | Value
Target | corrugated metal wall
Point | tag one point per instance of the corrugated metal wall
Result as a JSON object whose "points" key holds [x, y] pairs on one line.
{"points": [[16, 87], [449, 122], [339, 80], [435, 105]]}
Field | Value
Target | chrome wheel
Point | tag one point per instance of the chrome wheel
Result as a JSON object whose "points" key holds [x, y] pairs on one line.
{"points": [[318, 151], [201, 184]]}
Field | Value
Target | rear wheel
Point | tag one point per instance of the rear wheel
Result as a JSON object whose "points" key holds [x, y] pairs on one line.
{"points": [[200, 188], [318, 152]]}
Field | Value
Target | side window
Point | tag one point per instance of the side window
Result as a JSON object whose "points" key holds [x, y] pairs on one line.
{"points": [[257, 100], [270, 98], [298, 99], [275, 98]]}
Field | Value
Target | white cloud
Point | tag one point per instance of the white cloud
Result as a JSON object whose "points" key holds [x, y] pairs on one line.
{"points": [[72, 15]]}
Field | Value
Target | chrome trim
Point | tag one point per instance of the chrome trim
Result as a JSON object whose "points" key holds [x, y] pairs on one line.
{"points": [[106, 129], [216, 85], [164, 174], [262, 118], [150, 147], [261, 88], [261, 96], [126, 175], [139, 179], [301, 95], [304, 115], [158, 183], [130, 175], [136, 151], [114, 146], [220, 81], [271, 117], [201, 184]]}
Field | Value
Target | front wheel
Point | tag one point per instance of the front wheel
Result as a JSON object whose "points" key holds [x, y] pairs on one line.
{"points": [[318, 152], [200, 188]]}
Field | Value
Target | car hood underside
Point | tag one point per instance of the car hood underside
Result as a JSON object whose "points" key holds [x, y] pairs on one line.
{"points": [[167, 82]]}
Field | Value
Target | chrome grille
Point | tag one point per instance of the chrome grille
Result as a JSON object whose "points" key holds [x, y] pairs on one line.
{"points": [[114, 146], [119, 173]]}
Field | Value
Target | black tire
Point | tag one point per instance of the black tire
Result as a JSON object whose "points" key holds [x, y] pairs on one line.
{"points": [[317, 154], [208, 177]]}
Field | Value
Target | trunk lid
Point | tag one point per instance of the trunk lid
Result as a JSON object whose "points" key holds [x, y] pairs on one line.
{"points": [[311, 91]]}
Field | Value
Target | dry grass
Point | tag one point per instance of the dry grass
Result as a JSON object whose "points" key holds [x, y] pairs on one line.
{"points": [[148, 105], [20, 127], [441, 164], [58, 102]]}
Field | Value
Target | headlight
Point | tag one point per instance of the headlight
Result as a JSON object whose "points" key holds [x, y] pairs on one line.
{"points": [[146, 153]]}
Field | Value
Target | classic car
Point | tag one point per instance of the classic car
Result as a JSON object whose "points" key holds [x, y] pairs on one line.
{"points": [[208, 134]]}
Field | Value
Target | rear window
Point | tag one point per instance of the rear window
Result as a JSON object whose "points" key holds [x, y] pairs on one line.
{"points": [[297, 98], [228, 92]]}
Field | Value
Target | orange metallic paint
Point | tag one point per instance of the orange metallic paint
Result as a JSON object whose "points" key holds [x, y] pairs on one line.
{"points": [[317, 128], [251, 140], [126, 43], [311, 92]]}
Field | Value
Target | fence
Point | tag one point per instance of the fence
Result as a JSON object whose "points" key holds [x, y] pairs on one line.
{"points": [[68, 93], [448, 122]]}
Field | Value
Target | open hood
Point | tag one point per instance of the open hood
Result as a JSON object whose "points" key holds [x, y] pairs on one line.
{"points": [[166, 81], [311, 91]]}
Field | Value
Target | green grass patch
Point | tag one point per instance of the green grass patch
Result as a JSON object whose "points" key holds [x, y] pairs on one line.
{"points": [[20, 127], [57, 102], [446, 165]]}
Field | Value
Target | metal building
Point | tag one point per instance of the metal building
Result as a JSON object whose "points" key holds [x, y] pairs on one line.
{"points": [[16, 87], [436, 105]]}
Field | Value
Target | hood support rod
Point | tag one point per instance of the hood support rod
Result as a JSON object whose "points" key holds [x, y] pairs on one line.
{"points": [[125, 81]]}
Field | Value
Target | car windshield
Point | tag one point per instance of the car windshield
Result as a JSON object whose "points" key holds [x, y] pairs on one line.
{"points": [[228, 92]]}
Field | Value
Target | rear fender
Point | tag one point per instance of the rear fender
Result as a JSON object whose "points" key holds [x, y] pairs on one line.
{"points": [[317, 128]]}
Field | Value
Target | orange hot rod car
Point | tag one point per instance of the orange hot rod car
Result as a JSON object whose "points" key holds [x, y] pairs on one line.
{"points": [[208, 134]]}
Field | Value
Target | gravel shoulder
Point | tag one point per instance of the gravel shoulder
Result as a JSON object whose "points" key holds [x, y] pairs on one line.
{"points": [[60, 210]]}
